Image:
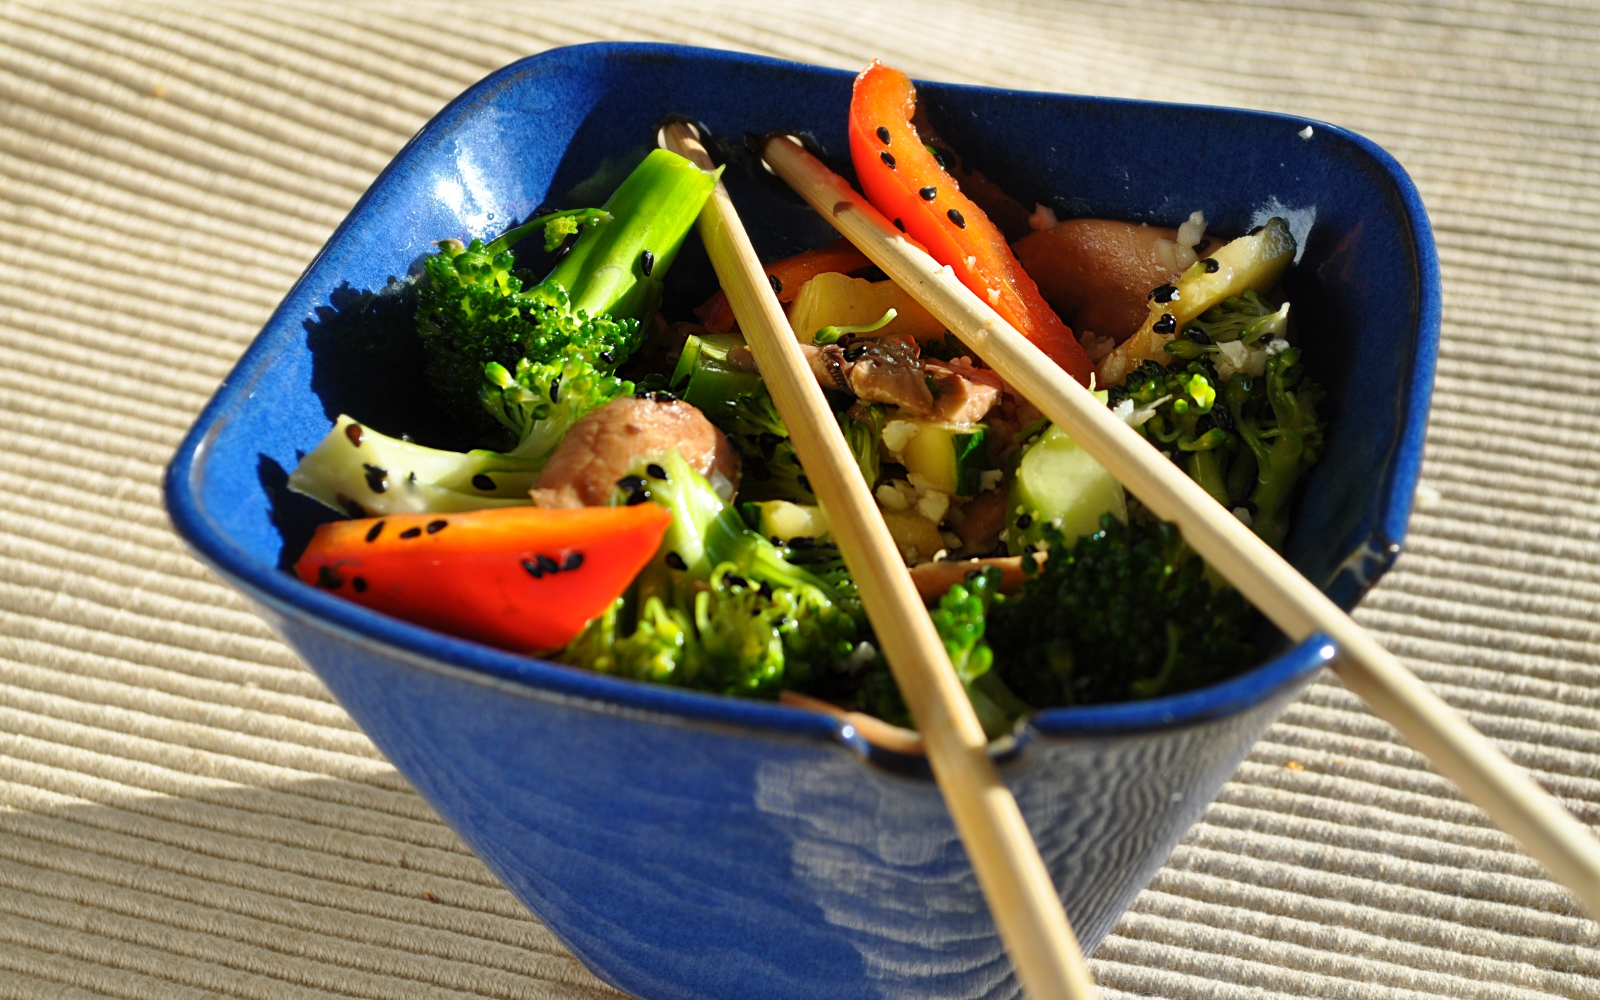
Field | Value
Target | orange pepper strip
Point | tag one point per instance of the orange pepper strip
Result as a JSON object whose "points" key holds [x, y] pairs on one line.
{"points": [[521, 578], [788, 275], [906, 183]]}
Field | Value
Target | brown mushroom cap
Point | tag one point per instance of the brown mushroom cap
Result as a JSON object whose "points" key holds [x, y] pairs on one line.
{"points": [[612, 441]]}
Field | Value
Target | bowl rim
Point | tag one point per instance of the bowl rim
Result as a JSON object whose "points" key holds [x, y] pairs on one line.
{"points": [[414, 645]]}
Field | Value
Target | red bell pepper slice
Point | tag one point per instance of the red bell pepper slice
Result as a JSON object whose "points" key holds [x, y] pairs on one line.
{"points": [[906, 183], [521, 578], [787, 276]]}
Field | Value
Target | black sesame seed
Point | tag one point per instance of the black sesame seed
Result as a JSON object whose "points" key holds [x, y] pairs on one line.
{"points": [[1212, 267], [1164, 293], [676, 561], [350, 506], [898, 224], [887, 158], [1198, 335], [1223, 418], [883, 135], [635, 499], [547, 564], [1166, 324], [411, 533], [434, 527], [777, 286], [1250, 505], [631, 484], [655, 471], [532, 568], [802, 542], [360, 585], [1205, 423], [1024, 521], [608, 357], [328, 578], [555, 390], [855, 353], [377, 479], [647, 262], [956, 217], [573, 561], [375, 531], [929, 193], [768, 442], [1201, 246], [483, 482], [766, 591], [353, 432], [734, 580]]}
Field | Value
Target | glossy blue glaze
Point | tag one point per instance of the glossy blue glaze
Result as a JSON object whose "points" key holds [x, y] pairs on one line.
{"points": [[685, 845]]}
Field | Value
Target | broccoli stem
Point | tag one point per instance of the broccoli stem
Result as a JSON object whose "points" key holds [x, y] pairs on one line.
{"points": [[581, 219], [1205, 468], [616, 266]]}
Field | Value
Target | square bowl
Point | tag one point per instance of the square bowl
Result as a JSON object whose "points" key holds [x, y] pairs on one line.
{"points": [[690, 845]]}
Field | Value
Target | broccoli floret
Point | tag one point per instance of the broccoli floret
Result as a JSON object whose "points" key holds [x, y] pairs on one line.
{"points": [[721, 608], [361, 473], [1245, 431], [1126, 613], [474, 309], [542, 401], [1276, 417], [363, 470], [772, 470], [1176, 409], [961, 621]]}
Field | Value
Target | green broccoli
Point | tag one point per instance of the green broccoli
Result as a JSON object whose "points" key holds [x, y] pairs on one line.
{"points": [[1235, 409], [721, 608], [961, 621], [1276, 417], [362, 473], [473, 309], [528, 363], [772, 470], [1126, 613]]}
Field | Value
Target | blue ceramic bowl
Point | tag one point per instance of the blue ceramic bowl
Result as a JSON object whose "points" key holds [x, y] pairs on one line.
{"points": [[686, 845]]}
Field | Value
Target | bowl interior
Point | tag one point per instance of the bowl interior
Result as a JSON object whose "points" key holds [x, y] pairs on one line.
{"points": [[562, 128]]}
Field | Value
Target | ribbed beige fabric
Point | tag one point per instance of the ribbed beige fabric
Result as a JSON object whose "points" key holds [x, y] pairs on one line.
{"points": [[184, 812]]}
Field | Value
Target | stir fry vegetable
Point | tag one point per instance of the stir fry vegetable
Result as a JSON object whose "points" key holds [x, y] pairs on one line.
{"points": [[520, 578], [905, 181], [638, 508]]}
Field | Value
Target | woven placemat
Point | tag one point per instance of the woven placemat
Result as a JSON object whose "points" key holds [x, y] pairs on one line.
{"points": [[185, 813]]}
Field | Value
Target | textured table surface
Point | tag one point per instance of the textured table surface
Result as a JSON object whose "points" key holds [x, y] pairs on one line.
{"points": [[185, 813]]}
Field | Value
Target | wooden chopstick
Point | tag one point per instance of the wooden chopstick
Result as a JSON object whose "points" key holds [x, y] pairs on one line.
{"points": [[1010, 872], [1460, 752]]}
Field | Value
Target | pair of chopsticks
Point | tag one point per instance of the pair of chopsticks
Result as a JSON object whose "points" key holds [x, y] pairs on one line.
{"points": [[1010, 872]]}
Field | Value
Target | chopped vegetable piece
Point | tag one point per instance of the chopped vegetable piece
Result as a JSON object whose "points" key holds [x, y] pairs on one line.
{"points": [[1247, 263], [834, 299], [520, 578], [706, 376], [1059, 491], [950, 456], [782, 521], [787, 277], [919, 193], [359, 472]]}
